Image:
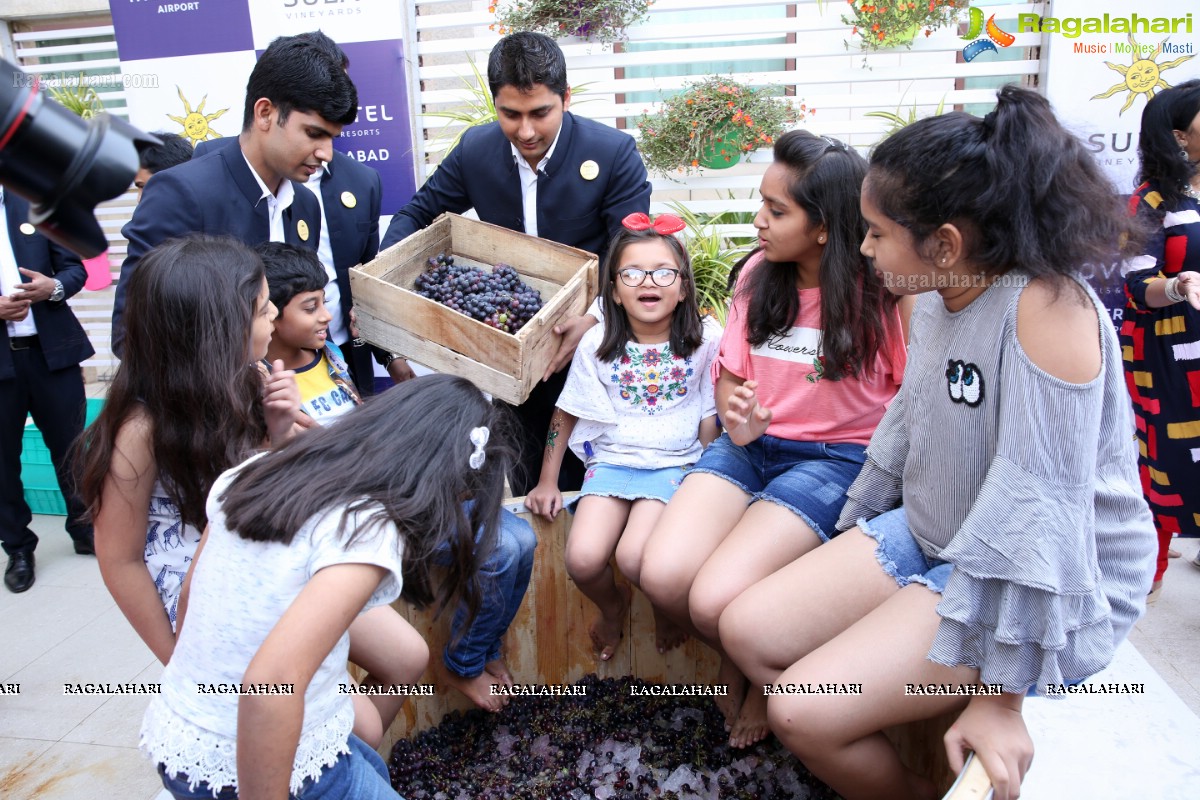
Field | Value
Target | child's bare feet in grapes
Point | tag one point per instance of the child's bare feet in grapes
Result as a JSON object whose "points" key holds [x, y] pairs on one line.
{"points": [[499, 669], [751, 723], [735, 691], [477, 689], [606, 632], [667, 635]]}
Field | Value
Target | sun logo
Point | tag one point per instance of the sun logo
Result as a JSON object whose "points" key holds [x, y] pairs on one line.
{"points": [[995, 35], [195, 123], [1142, 76]]}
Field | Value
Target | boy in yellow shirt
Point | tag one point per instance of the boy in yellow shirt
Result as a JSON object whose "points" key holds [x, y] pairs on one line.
{"points": [[296, 282]]}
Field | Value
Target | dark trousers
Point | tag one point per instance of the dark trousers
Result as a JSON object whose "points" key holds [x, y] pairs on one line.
{"points": [[534, 418], [56, 401]]}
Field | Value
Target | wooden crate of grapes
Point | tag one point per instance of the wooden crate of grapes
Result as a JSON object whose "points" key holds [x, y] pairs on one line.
{"points": [[503, 350]]}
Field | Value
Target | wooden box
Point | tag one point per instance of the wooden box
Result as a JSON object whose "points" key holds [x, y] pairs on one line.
{"points": [[507, 366], [548, 643]]}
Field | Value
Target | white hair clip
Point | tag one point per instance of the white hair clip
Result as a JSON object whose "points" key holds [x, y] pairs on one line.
{"points": [[479, 437]]}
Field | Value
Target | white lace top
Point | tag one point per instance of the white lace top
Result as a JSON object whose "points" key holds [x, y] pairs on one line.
{"points": [[239, 591], [170, 545]]}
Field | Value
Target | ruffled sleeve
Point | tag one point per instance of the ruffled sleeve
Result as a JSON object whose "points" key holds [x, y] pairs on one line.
{"points": [[1027, 603], [584, 395], [1142, 270]]}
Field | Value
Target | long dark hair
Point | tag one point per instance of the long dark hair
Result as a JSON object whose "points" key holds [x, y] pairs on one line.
{"points": [[826, 181], [401, 459], [187, 366], [1170, 110], [687, 329], [1022, 188]]}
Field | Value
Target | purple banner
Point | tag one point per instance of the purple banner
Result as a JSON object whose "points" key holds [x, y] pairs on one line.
{"points": [[381, 137], [155, 29]]}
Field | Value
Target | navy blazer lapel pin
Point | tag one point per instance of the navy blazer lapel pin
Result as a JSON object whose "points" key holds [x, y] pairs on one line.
{"points": [[589, 170]]}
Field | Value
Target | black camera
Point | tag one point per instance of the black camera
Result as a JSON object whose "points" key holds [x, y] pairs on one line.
{"points": [[62, 164]]}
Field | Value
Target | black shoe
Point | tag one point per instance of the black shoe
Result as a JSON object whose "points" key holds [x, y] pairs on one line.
{"points": [[19, 575], [85, 545]]}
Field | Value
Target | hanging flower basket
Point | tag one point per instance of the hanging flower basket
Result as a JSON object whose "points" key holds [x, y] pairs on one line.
{"points": [[712, 123], [725, 149], [591, 20], [887, 24]]}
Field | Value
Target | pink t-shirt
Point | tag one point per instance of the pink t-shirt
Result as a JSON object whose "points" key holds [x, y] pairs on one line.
{"points": [[805, 406]]}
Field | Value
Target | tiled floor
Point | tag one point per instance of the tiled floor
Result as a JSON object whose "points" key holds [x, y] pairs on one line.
{"points": [[67, 629]]}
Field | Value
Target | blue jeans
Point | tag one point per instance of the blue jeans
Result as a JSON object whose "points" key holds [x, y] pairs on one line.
{"points": [[809, 479], [503, 578], [359, 774]]}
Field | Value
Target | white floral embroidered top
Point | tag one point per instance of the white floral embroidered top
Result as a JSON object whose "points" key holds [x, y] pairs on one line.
{"points": [[240, 589], [644, 408]]}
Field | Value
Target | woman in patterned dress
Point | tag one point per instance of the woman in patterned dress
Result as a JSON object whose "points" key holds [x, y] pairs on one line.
{"points": [[1160, 337]]}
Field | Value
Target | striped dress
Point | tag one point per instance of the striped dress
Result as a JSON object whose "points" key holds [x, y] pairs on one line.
{"points": [[1026, 484], [1161, 348]]}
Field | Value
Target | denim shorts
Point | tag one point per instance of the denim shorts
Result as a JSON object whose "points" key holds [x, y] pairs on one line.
{"points": [[807, 478], [360, 774], [900, 555], [630, 483]]}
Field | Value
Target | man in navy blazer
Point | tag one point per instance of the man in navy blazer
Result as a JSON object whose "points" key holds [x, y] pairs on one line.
{"points": [[350, 196], [543, 171], [350, 203], [41, 347], [295, 105]]}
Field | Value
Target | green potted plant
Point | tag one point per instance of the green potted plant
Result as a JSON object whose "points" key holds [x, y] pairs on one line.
{"points": [[591, 20], [895, 120], [712, 123], [886, 24], [712, 254], [78, 97]]}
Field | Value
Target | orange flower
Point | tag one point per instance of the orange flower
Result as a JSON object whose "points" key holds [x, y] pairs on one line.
{"points": [[875, 27], [880, 34], [695, 163]]}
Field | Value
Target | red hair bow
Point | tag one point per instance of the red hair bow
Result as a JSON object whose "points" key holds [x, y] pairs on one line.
{"points": [[666, 224]]}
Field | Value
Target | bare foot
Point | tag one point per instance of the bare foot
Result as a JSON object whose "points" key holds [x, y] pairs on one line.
{"points": [[751, 723], [606, 633], [477, 689], [735, 686], [667, 634], [499, 669]]}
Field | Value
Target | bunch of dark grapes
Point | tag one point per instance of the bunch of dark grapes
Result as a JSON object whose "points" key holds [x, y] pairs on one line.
{"points": [[498, 298], [606, 745]]}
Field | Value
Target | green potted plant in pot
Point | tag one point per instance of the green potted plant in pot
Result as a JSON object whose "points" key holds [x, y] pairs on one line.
{"points": [[712, 123], [82, 99], [591, 20], [886, 24]]}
